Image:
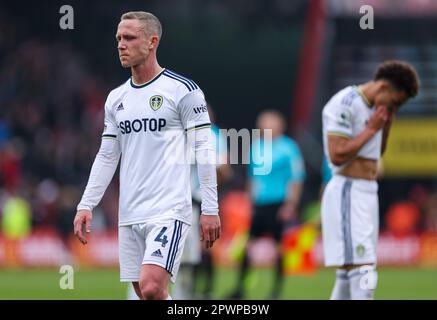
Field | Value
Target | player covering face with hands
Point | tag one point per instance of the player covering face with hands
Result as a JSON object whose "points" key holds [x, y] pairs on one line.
{"points": [[356, 126], [150, 121]]}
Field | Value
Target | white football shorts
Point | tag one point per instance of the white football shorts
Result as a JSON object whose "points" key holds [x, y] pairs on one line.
{"points": [[159, 242], [350, 221]]}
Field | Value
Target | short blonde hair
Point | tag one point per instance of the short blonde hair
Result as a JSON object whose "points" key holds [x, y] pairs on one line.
{"points": [[150, 23]]}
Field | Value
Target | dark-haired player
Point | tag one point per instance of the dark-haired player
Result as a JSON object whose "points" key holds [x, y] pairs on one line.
{"points": [[356, 125]]}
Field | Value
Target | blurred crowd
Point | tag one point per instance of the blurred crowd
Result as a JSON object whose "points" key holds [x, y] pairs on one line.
{"points": [[51, 118]]}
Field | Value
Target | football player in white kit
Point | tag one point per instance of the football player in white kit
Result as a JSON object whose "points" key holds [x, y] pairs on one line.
{"points": [[151, 121], [356, 124]]}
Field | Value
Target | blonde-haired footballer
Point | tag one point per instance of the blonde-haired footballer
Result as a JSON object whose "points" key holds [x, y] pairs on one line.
{"points": [[149, 122], [356, 125]]}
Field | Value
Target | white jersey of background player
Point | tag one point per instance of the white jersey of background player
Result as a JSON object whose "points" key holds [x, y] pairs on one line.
{"points": [[356, 124], [149, 122]]}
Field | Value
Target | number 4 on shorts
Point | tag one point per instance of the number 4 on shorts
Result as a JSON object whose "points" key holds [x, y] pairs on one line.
{"points": [[161, 238]]}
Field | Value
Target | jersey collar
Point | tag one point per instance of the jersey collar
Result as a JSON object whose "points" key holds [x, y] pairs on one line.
{"points": [[138, 86], [363, 96]]}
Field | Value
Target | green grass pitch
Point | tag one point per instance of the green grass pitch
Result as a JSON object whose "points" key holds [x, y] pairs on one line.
{"points": [[393, 283]]}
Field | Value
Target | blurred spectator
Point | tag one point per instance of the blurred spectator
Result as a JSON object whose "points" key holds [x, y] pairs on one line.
{"points": [[51, 119], [4, 133], [16, 219], [403, 219], [10, 167]]}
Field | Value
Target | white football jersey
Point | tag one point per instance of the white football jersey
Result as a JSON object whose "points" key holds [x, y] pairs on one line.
{"points": [[346, 114], [150, 122]]}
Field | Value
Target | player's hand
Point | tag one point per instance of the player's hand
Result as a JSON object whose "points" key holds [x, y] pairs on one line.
{"points": [[378, 119], [390, 118], [209, 229], [287, 212], [82, 225]]}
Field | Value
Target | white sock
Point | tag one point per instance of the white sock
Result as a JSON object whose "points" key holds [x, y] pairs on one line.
{"points": [[169, 298], [363, 282], [341, 289]]}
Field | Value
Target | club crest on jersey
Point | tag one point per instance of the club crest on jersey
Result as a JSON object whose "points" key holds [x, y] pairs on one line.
{"points": [[361, 250], [155, 102]]}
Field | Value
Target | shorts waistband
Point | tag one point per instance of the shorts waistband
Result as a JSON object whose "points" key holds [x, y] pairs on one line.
{"points": [[360, 184]]}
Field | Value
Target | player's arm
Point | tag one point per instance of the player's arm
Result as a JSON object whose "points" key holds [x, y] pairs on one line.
{"points": [[206, 171], [386, 130], [102, 171], [342, 148], [198, 127], [294, 193], [289, 210], [249, 184]]}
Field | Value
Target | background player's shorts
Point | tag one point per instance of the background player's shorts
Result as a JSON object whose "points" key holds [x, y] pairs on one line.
{"points": [[192, 253], [265, 220], [157, 242], [350, 221]]}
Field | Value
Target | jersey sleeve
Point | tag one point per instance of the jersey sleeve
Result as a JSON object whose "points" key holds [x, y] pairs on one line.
{"points": [[339, 119], [193, 111], [102, 171], [105, 163], [194, 116], [110, 129]]}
